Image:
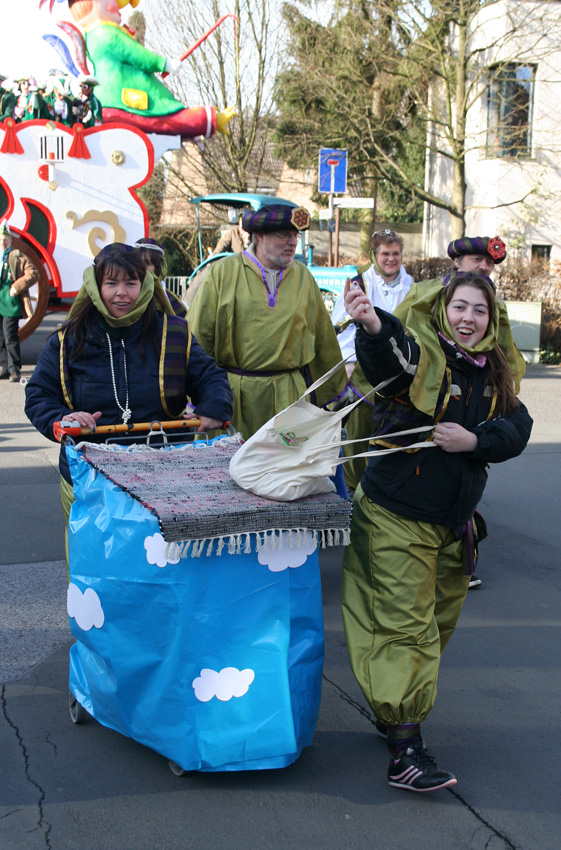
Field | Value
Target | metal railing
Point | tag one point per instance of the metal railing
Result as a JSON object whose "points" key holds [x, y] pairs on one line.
{"points": [[177, 284]]}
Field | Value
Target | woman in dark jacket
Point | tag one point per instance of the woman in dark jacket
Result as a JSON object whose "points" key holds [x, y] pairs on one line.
{"points": [[413, 533], [123, 355]]}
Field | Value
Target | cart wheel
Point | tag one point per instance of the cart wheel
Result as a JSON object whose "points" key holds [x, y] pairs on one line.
{"points": [[38, 294], [176, 769], [77, 712]]}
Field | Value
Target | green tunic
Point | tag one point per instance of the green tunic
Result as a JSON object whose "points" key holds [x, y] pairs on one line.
{"points": [[10, 305], [358, 425], [8, 101], [232, 320]]}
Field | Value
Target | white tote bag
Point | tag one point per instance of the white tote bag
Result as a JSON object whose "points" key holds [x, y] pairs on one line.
{"points": [[297, 451]]}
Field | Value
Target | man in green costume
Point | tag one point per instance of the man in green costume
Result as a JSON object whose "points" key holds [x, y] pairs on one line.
{"points": [[17, 274], [29, 103], [8, 99], [128, 89], [260, 314], [86, 108]]}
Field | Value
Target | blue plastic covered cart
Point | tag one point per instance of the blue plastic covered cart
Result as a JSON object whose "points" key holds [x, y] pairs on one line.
{"points": [[196, 607]]}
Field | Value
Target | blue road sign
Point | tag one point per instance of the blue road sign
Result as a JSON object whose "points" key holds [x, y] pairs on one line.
{"points": [[332, 171]]}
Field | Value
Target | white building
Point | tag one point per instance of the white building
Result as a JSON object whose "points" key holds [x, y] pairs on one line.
{"points": [[513, 134]]}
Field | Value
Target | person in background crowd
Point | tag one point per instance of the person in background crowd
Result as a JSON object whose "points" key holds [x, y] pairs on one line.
{"points": [[386, 283], [58, 101], [86, 108], [17, 274], [261, 315], [414, 528], [8, 99], [153, 256], [29, 103], [234, 240]]}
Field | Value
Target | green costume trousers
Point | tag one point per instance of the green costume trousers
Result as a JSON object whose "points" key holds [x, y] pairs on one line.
{"points": [[66, 499], [403, 590]]}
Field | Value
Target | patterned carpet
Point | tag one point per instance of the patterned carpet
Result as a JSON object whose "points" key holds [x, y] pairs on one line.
{"points": [[190, 491]]}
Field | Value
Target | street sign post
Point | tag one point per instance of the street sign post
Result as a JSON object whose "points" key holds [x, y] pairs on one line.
{"points": [[332, 171], [332, 178], [354, 203]]}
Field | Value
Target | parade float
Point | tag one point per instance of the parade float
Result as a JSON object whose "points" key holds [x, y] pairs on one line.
{"points": [[67, 189]]}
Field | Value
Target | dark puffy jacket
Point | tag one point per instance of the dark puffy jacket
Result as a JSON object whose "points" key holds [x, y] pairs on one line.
{"points": [[432, 485], [91, 383]]}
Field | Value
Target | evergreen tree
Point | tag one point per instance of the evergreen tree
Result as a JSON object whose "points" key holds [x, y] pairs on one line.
{"points": [[342, 89]]}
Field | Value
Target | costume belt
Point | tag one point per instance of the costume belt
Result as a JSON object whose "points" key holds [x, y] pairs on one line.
{"points": [[248, 373]]}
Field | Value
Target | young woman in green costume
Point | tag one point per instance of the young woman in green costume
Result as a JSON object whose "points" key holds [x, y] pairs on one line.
{"points": [[413, 531]]}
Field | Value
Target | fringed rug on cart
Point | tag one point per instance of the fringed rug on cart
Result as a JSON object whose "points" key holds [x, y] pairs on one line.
{"points": [[196, 502]]}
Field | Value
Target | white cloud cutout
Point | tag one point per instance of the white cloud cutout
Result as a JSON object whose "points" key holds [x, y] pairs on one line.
{"points": [[223, 684], [156, 551], [278, 560], [85, 607]]}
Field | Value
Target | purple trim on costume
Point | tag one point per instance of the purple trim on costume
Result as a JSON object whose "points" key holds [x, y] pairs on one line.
{"points": [[272, 296], [479, 359], [337, 397], [359, 394], [465, 532]]}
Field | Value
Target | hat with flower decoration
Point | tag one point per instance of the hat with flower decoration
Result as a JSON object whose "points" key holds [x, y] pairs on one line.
{"points": [[275, 217], [491, 245]]}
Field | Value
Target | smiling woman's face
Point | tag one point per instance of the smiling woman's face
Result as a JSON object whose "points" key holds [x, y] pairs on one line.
{"points": [[388, 257], [119, 292], [468, 315]]}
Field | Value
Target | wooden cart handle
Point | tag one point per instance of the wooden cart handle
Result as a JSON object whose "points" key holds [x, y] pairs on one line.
{"points": [[68, 428]]}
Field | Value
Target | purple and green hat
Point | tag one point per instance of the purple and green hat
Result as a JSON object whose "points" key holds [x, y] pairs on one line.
{"points": [[275, 217], [491, 245], [115, 249]]}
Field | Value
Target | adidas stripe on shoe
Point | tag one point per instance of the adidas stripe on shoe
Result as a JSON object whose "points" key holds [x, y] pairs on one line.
{"points": [[415, 770]]}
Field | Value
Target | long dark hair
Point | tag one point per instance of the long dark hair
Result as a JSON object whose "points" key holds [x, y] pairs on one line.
{"points": [[86, 314], [153, 257], [500, 377]]}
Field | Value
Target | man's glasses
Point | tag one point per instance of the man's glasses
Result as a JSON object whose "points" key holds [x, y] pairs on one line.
{"points": [[285, 235], [386, 232]]}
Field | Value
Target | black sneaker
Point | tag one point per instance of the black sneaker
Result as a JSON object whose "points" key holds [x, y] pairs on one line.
{"points": [[474, 581], [417, 771], [3, 373]]}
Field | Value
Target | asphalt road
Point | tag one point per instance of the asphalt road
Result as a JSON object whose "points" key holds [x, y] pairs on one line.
{"points": [[495, 723]]}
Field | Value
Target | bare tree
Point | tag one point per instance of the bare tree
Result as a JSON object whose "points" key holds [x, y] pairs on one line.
{"points": [[233, 67], [438, 67], [469, 51]]}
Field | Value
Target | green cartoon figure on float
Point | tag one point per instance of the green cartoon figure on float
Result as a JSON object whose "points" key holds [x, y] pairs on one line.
{"points": [[128, 89]]}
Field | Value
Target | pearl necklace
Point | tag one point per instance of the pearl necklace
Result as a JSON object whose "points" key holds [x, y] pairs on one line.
{"points": [[126, 411]]}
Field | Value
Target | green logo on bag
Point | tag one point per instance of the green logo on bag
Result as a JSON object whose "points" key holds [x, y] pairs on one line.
{"points": [[291, 439]]}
